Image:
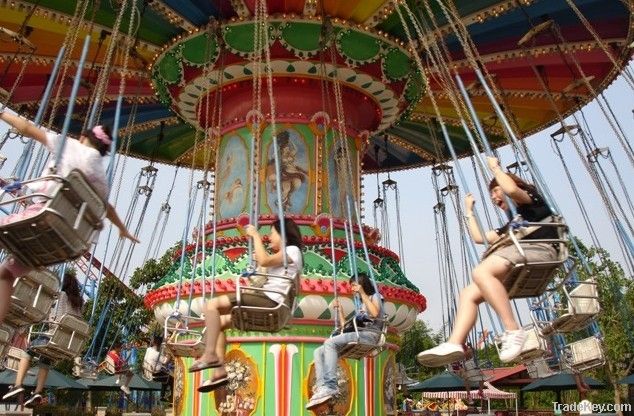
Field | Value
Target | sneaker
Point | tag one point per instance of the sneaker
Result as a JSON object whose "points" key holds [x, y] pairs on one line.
{"points": [[324, 391], [13, 391], [34, 400], [512, 343], [443, 354], [126, 390], [314, 402]]}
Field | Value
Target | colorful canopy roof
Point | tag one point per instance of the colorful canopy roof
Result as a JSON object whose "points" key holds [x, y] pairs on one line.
{"points": [[494, 26]]}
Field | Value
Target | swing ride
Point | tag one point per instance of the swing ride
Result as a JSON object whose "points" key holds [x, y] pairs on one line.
{"points": [[281, 107]]}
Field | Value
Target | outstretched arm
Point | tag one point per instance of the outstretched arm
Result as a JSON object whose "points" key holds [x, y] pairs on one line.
{"points": [[24, 127], [507, 184], [112, 215]]}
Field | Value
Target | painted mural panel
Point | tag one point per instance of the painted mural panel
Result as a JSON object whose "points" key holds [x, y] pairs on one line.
{"points": [[338, 171], [240, 396], [233, 177], [389, 386], [340, 404], [294, 172]]}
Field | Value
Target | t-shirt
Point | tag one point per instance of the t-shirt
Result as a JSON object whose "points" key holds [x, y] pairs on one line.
{"points": [[535, 211], [151, 360], [295, 267], [75, 156], [364, 320], [117, 359]]}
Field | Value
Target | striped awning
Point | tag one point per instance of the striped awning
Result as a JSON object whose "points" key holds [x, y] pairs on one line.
{"points": [[489, 392]]}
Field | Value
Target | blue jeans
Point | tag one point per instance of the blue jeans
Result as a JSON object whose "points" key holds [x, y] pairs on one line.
{"points": [[327, 355]]}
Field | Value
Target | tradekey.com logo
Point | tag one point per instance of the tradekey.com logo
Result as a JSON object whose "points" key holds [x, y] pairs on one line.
{"points": [[586, 408]]}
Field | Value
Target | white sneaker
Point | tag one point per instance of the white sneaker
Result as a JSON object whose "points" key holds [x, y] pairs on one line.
{"points": [[512, 343], [314, 402], [322, 395], [34, 400], [14, 391], [443, 354], [126, 390]]}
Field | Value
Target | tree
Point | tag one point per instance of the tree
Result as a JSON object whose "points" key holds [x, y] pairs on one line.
{"points": [[616, 320], [153, 270], [123, 311], [417, 338]]}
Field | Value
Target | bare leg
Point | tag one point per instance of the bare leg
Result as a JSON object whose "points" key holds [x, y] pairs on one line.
{"points": [[23, 368], [216, 307], [6, 289], [41, 379], [221, 346], [488, 277], [128, 378], [470, 298]]}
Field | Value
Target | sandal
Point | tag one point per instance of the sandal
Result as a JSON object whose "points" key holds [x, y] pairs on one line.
{"points": [[201, 365], [213, 384]]}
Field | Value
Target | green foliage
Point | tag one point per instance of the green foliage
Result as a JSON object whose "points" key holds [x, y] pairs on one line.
{"points": [[153, 270], [416, 339], [616, 320], [126, 313]]}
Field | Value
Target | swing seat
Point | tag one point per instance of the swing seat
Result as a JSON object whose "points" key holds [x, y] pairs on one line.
{"points": [[472, 372], [6, 336], [192, 346], [85, 369], [585, 354], [150, 374], [182, 341], [538, 368], [583, 307], [531, 279], [62, 230], [109, 366], [263, 319], [358, 349], [535, 345], [65, 339], [33, 296], [13, 358]]}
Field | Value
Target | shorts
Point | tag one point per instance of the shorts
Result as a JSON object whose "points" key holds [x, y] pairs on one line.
{"points": [[539, 252], [41, 340], [252, 299]]}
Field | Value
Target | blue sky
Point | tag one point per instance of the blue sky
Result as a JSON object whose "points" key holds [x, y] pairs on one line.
{"points": [[417, 198]]}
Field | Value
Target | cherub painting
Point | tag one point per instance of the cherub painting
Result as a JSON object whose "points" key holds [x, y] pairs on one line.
{"points": [[293, 172], [232, 177], [338, 165]]}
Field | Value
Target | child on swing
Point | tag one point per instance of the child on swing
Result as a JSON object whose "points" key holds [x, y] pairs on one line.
{"points": [[85, 154]]}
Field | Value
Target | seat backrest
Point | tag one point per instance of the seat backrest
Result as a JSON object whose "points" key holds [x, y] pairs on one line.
{"points": [[33, 296], [6, 335], [586, 350], [69, 335], [85, 193], [534, 340], [584, 299]]}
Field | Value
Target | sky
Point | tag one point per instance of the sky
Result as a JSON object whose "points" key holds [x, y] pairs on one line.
{"points": [[417, 196]]}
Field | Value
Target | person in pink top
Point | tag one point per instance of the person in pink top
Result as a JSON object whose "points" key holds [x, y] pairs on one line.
{"points": [[85, 154]]}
